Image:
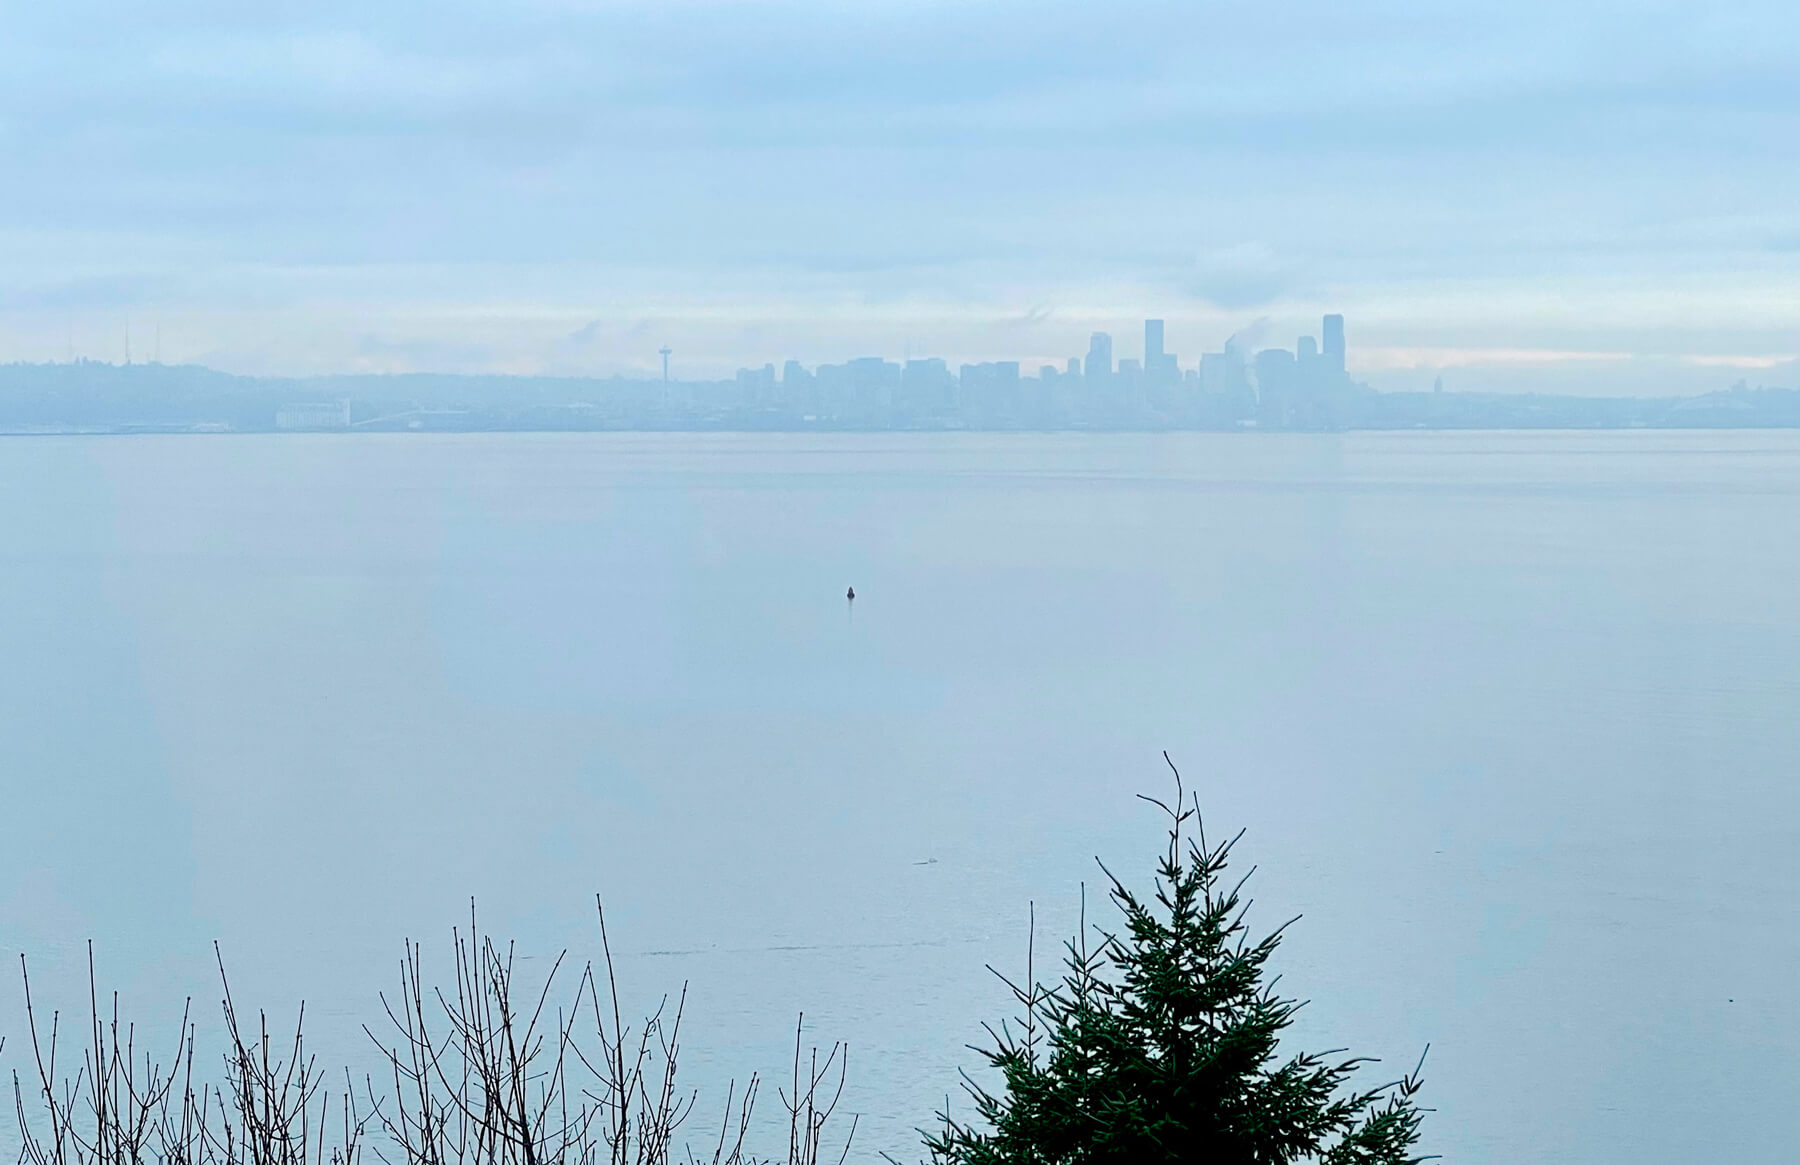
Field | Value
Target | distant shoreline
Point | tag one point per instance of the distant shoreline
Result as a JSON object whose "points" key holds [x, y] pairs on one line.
{"points": [[1247, 433], [94, 399]]}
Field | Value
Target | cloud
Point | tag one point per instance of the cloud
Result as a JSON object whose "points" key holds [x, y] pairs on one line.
{"points": [[1029, 319], [103, 293], [1572, 373], [1250, 337], [380, 353], [1294, 154], [1377, 358], [1241, 276]]}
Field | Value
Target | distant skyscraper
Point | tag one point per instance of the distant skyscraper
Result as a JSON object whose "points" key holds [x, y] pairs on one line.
{"points": [[1159, 365], [990, 391], [1306, 348], [756, 386], [1222, 373], [1074, 367], [1276, 384], [1274, 368], [927, 386], [1099, 357], [1334, 342]]}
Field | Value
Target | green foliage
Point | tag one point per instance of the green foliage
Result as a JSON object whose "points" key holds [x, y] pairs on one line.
{"points": [[1160, 1044]]}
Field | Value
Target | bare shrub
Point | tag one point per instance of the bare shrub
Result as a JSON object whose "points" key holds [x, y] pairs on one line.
{"points": [[120, 1108], [484, 1072]]}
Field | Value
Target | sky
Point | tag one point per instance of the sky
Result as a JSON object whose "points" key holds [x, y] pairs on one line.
{"points": [[1595, 197]]}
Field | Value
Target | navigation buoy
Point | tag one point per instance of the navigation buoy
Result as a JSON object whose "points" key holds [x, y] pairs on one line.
{"points": [[850, 594]]}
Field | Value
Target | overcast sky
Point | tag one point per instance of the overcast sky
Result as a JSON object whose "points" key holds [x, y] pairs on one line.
{"points": [[1602, 196]]}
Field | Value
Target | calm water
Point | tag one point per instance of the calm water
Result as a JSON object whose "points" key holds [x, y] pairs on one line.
{"points": [[1513, 720]]}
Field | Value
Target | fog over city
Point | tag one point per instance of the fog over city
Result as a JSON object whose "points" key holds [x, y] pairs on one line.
{"points": [[1517, 196]]}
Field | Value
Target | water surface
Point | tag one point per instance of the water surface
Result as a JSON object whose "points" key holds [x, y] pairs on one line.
{"points": [[1510, 718]]}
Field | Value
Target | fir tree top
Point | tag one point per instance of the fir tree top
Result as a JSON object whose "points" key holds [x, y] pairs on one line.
{"points": [[1160, 1043]]}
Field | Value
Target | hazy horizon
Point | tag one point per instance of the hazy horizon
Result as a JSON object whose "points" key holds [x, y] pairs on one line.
{"points": [[1614, 375], [1568, 198]]}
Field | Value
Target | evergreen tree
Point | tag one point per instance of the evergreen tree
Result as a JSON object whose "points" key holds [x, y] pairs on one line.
{"points": [[1160, 1044]]}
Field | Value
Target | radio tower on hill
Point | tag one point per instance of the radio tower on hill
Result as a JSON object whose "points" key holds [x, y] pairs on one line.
{"points": [[664, 353]]}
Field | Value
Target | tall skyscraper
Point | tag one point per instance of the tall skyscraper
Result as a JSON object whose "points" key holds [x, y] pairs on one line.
{"points": [[1306, 349], [1334, 342], [1153, 344], [1099, 357]]}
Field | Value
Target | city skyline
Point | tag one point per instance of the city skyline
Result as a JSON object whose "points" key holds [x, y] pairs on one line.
{"points": [[1245, 380], [1246, 353], [1519, 197], [1240, 384], [713, 350], [1247, 383]]}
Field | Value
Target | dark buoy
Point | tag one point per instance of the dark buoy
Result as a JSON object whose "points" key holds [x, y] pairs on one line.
{"points": [[850, 594]]}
